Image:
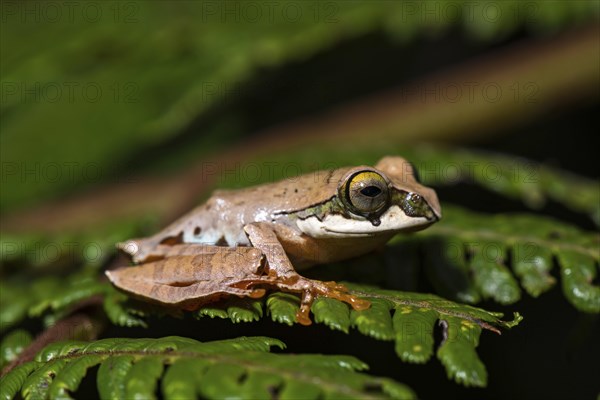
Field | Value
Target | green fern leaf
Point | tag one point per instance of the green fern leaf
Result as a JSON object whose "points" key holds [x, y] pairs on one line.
{"points": [[445, 262], [117, 312], [577, 271], [414, 321], [237, 310], [112, 375], [457, 352], [375, 321], [532, 265], [332, 313], [414, 334], [245, 311], [71, 294], [67, 381], [282, 307], [142, 378], [529, 181], [237, 368], [180, 381], [468, 244], [11, 383], [12, 345], [410, 311], [411, 326], [59, 252], [15, 303], [37, 384], [492, 278]]}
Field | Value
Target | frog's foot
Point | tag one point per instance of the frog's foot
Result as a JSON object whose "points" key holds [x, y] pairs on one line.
{"points": [[311, 289]]}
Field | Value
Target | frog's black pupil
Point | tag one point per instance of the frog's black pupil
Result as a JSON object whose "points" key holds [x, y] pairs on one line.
{"points": [[371, 191]]}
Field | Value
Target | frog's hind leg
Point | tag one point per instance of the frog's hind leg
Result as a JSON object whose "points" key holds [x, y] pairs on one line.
{"points": [[191, 275], [281, 270]]}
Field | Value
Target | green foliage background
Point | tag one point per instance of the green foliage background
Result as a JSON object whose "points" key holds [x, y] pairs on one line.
{"points": [[166, 70]]}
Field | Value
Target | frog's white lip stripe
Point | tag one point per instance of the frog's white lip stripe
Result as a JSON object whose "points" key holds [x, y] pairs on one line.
{"points": [[393, 220]]}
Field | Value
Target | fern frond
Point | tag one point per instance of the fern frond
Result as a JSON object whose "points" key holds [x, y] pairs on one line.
{"points": [[63, 251], [407, 318], [531, 182], [466, 244], [387, 319], [237, 310], [412, 326], [186, 368], [16, 302], [118, 312], [12, 345]]}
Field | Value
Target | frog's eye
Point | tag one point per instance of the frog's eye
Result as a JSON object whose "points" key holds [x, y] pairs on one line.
{"points": [[365, 192]]}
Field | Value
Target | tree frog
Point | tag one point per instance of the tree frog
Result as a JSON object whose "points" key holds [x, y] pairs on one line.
{"points": [[242, 242]]}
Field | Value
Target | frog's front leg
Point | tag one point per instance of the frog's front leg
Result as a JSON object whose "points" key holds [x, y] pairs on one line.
{"points": [[262, 236]]}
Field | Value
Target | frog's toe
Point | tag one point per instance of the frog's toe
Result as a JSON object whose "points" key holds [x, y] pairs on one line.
{"points": [[340, 292], [336, 286], [312, 289]]}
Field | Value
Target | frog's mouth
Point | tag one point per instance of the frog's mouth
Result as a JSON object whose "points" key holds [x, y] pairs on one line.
{"points": [[393, 220]]}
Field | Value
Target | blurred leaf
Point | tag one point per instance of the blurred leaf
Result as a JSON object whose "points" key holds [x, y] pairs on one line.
{"points": [[166, 64], [64, 250], [117, 311], [15, 302], [531, 182], [12, 345]]}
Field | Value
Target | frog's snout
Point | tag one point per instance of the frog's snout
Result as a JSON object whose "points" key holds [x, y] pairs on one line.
{"points": [[434, 204], [437, 213]]}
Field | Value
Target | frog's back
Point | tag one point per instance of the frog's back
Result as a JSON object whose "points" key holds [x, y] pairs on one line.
{"points": [[285, 196], [221, 219]]}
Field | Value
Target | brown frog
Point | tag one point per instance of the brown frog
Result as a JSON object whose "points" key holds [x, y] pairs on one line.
{"points": [[242, 242]]}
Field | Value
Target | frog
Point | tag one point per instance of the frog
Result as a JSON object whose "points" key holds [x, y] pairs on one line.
{"points": [[246, 241]]}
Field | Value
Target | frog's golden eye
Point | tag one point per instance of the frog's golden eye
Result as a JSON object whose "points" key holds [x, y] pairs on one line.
{"points": [[365, 193]]}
